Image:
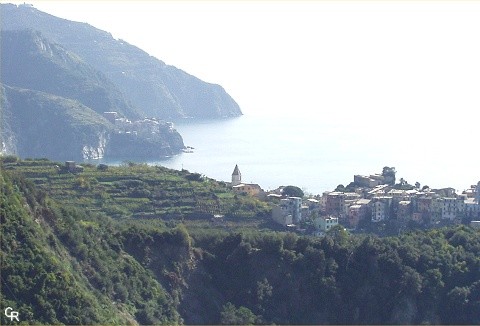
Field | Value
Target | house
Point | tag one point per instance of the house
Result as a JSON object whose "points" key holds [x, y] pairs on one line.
{"points": [[309, 207], [72, 167], [251, 189], [353, 216], [357, 212], [404, 210], [368, 181], [335, 203], [378, 191], [451, 208], [288, 211], [471, 208], [380, 208], [325, 223], [281, 217]]}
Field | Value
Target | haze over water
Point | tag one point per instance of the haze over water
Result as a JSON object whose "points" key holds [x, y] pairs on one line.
{"points": [[329, 88], [317, 154]]}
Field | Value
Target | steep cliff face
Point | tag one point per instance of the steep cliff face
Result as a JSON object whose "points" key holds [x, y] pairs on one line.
{"points": [[122, 145], [53, 102], [7, 136], [46, 125], [154, 88], [98, 151], [31, 61]]}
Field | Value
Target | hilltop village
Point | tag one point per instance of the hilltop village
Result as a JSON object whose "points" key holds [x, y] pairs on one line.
{"points": [[372, 202]]}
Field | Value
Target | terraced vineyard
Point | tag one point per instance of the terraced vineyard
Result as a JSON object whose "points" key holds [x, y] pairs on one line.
{"points": [[138, 191]]}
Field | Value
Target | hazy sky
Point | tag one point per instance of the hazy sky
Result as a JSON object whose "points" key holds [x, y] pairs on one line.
{"points": [[345, 59]]}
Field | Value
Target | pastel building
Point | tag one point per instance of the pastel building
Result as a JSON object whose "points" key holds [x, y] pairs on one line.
{"points": [[357, 212], [251, 189], [288, 211], [325, 223], [451, 208], [380, 208]]}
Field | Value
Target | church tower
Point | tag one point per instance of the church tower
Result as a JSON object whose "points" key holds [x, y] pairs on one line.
{"points": [[236, 176]]}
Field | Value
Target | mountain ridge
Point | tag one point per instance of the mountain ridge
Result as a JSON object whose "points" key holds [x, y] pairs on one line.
{"points": [[31, 61], [156, 89]]}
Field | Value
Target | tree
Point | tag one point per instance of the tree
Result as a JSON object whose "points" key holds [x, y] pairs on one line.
{"points": [[293, 191], [237, 316], [389, 174]]}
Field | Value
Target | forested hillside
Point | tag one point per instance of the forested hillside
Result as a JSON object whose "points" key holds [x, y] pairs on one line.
{"points": [[61, 266], [83, 265]]}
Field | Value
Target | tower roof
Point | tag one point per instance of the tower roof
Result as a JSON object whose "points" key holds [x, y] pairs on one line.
{"points": [[236, 171]]}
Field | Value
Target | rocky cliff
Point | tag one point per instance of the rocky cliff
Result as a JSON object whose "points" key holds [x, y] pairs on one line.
{"points": [[154, 88], [46, 125], [31, 61]]}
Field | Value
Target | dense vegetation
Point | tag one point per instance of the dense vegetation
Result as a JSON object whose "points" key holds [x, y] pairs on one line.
{"points": [[62, 264]]}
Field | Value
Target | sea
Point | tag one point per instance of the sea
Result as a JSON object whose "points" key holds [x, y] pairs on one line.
{"points": [[317, 154]]}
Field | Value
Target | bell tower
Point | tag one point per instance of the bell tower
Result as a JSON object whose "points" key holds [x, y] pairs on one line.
{"points": [[236, 176]]}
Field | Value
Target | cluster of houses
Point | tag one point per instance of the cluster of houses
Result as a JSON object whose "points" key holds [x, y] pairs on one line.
{"points": [[375, 198], [146, 127]]}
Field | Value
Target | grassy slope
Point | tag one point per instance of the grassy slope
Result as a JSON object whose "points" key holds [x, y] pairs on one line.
{"points": [[141, 191]]}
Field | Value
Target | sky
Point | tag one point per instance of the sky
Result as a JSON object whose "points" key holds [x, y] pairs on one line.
{"points": [[405, 71], [346, 59]]}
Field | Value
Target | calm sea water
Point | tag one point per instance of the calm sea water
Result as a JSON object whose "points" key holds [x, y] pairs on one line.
{"points": [[317, 155]]}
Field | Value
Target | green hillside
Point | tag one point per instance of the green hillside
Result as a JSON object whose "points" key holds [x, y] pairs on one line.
{"points": [[140, 191], [60, 266], [68, 257]]}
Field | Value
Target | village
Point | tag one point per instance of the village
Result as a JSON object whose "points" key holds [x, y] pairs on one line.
{"points": [[367, 202], [145, 127]]}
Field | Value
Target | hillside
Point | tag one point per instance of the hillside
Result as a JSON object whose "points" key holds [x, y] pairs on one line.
{"points": [[37, 119], [154, 88], [118, 270], [59, 266], [39, 124], [31, 61], [139, 191]]}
